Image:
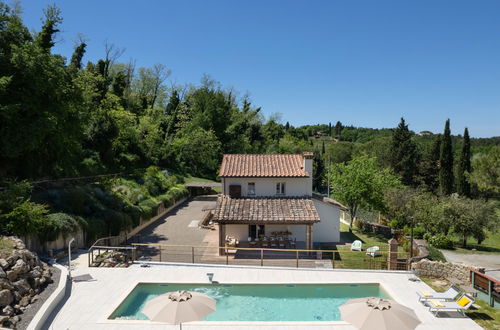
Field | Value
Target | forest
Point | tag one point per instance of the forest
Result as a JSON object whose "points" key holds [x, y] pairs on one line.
{"points": [[64, 117]]}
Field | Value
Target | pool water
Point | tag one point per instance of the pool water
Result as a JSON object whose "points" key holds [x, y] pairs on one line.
{"points": [[263, 302]]}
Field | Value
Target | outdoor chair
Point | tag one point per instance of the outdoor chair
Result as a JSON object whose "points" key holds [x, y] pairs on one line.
{"points": [[373, 251], [449, 294], [461, 305], [356, 245]]}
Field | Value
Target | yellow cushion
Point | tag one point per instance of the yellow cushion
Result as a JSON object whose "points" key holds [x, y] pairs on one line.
{"points": [[463, 301], [436, 303], [427, 294]]}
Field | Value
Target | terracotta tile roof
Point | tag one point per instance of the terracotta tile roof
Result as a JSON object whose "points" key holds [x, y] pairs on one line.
{"points": [[265, 210], [263, 165]]}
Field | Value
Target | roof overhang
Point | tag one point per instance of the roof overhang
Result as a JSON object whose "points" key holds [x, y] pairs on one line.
{"points": [[267, 210]]}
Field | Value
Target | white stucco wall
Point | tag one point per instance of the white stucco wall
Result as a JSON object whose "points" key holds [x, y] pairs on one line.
{"points": [[266, 187], [328, 229]]}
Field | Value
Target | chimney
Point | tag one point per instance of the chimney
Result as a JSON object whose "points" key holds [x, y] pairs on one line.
{"points": [[308, 162]]}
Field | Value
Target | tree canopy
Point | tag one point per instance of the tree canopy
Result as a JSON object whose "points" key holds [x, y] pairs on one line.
{"points": [[360, 183]]}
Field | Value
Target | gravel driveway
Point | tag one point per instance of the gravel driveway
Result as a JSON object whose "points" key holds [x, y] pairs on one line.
{"points": [[489, 261]]}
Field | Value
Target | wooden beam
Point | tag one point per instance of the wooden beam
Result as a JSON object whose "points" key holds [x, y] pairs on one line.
{"points": [[222, 238]]}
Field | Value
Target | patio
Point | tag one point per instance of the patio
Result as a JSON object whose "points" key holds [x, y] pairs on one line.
{"points": [[90, 303]]}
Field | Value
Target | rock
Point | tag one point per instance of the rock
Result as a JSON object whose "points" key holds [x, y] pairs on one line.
{"points": [[5, 284], [22, 287], [5, 298], [35, 273], [3, 319], [8, 310], [35, 298], [20, 267], [2, 273], [25, 301], [4, 264], [11, 275]]}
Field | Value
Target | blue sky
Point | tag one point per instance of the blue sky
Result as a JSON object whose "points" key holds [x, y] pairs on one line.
{"points": [[365, 63]]}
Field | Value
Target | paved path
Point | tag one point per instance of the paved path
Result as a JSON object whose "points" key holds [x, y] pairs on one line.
{"points": [[180, 226], [489, 261]]}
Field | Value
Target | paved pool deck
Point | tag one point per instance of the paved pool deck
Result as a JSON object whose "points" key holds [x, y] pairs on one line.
{"points": [[90, 303]]}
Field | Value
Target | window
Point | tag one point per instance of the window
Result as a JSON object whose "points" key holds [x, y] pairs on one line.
{"points": [[280, 188], [251, 189]]}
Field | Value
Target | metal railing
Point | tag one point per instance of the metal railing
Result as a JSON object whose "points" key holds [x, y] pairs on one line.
{"points": [[298, 258]]}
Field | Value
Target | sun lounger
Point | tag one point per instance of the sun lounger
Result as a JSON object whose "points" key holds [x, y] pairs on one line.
{"points": [[373, 251], [462, 304], [449, 294], [356, 245]]}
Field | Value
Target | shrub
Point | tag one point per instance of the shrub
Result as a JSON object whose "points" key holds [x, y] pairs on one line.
{"points": [[94, 228], [57, 224], [134, 212], [435, 254], [148, 208], [418, 232], [360, 224], [441, 241]]}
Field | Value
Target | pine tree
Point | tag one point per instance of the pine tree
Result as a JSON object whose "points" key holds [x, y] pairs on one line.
{"points": [[464, 166], [446, 162], [404, 154]]}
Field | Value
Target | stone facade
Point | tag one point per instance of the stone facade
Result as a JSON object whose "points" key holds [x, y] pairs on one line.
{"points": [[22, 277], [438, 269]]}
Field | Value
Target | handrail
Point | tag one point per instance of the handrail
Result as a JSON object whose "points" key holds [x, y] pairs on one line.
{"points": [[248, 249], [103, 238], [114, 247], [489, 278]]}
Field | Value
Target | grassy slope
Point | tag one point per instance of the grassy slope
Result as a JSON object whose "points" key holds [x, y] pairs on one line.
{"points": [[5, 246], [484, 315]]}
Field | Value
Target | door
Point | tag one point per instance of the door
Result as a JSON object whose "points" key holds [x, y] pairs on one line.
{"points": [[252, 231], [261, 231], [234, 191]]}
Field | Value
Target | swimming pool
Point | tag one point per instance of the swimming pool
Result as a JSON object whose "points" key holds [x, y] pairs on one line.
{"points": [[258, 302]]}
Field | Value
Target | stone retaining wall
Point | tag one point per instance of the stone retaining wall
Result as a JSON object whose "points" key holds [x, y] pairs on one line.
{"points": [[438, 269], [22, 277]]}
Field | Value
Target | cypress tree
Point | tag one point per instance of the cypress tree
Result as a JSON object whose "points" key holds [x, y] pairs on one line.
{"points": [[318, 171], [464, 165], [430, 165], [323, 148], [446, 162], [404, 154], [338, 129]]}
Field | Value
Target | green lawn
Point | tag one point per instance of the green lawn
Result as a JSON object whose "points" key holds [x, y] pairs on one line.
{"points": [[345, 258], [483, 314], [490, 245]]}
